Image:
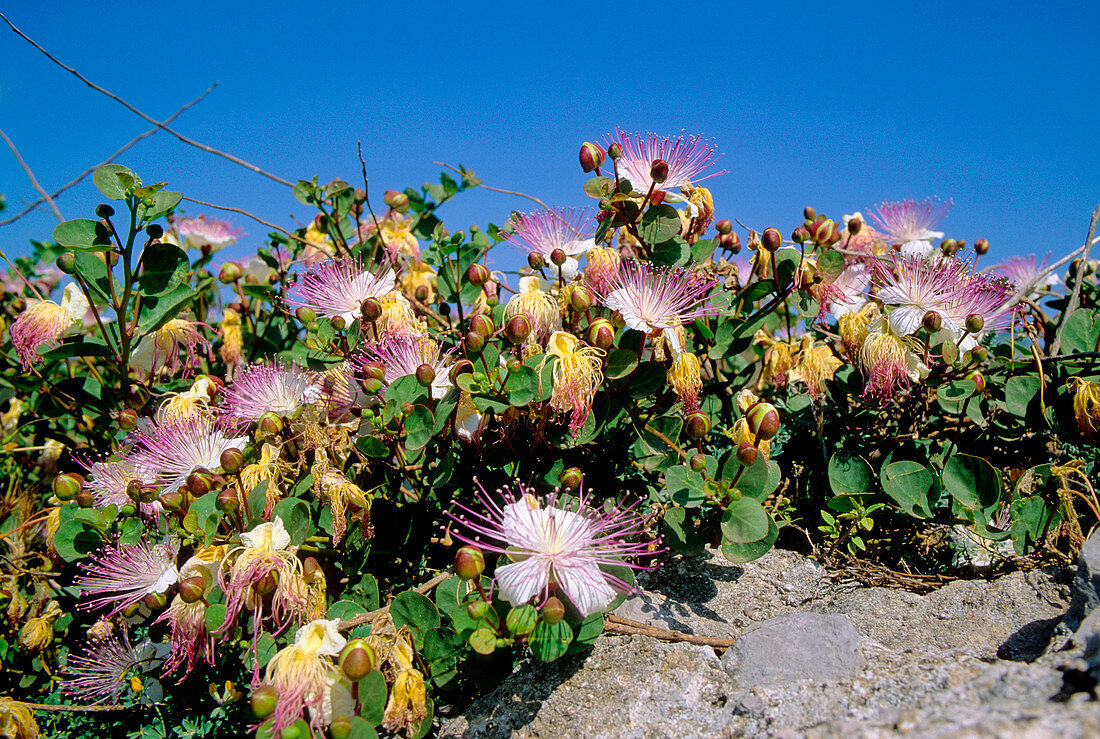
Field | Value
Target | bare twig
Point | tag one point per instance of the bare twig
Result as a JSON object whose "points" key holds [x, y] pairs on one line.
{"points": [[246, 213], [366, 618], [150, 119], [493, 189], [21, 276], [617, 625], [74, 708], [108, 160], [366, 198], [30, 175], [1076, 294]]}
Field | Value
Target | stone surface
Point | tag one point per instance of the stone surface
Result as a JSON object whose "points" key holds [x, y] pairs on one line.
{"points": [[973, 659], [795, 646]]}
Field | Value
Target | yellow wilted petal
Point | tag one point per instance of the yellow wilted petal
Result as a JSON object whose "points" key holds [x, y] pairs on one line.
{"points": [[16, 721], [407, 704]]}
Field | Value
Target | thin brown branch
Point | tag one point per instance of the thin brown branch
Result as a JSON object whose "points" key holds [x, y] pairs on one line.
{"points": [[617, 625], [366, 198], [30, 175], [483, 186], [246, 213], [150, 119], [1075, 296], [21, 276], [74, 708], [109, 159], [366, 618]]}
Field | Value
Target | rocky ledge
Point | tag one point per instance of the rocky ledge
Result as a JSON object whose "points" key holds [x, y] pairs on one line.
{"points": [[1014, 657]]}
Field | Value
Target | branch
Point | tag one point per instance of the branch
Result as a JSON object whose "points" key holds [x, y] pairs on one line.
{"points": [[246, 213], [366, 618], [618, 625], [73, 708], [493, 189], [30, 174], [132, 109], [1076, 294], [108, 160]]}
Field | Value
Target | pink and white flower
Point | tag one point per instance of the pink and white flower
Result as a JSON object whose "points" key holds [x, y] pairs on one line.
{"points": [[170, 452], [555, 542], [543, 232], [915, 285], [108, 481], [101, 672], [123, 574], [338, 287], [202, 232], [261, 388], [687, 158], [1027, 272], [910, 224], [401, 355]]}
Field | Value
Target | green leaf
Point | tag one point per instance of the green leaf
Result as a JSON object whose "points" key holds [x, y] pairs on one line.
{"points": [[659, 224], [685, 486], [831, 263], [953, 395], [757, 481], [599, 187], [1020, 393], [360, 727], [83, 234], [164, 201], [203, 516], [679, 532], [75, 539], [1082, 331], [372, 446], [548, 642], [372, 697], [973, 482], [849, 474], [257, 500], [214, 617], [522, 386], [744, 521], [93, 271], [620, 363], [115, 181], [672, 253], [1031, 517], [157, 311], [741, 553], [164, 267], [415, 611], [296, 518], [912, 486], [78, 346], [419, 425], [703, 249]]}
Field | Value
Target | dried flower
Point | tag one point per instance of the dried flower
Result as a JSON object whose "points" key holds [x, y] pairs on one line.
{"points": [[302, 671], [158, 352], [889, 364], [686, 379], [578, 371], [265, 553], [231, 350], [44, 323]]}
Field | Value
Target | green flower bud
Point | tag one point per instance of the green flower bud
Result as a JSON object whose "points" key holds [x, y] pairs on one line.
{"points": [[614, 151], [305, 315], [478, 610], [270, 425], [746, 454], [978, 378], [974, 323], [724, 226], [200, 482], [461, 367], [580, 299], [932, 322], [763, 421], [425, 375], [231, 460], [809, 213], [340, 728], [483, 324], [84, 499], [521, 620], [731, 242], [698, 462], [372, 385], [601, 333], [356, 660], [475, 342], [228, 502], [981, 246], [823, 231], [535, 260], [192, 589], [558, 257], [949, 247], [979, 354], [469, 562], [68, 485], [104, 211], [66, 262], [229, 273], [264, 699], [553, 610], [172, 500], [155, 601], [570, 478]]}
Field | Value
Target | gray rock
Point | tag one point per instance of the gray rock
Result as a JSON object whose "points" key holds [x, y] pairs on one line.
{"points": [[795, 646], [1086, 583]]}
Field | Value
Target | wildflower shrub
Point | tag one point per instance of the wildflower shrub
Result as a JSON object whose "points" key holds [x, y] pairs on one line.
{"points": [[346, 481]]}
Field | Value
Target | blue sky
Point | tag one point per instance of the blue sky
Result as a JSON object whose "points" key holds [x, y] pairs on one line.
{"points": [[836, 105]]}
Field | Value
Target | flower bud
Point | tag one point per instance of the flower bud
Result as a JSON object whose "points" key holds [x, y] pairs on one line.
{"points": [[136, 396], [614, 151], [979, 354], [698, 462], [200, 482], [475, 342], [422, 293], [356, 660], [855, 225], [154, 230], [658, 171], [558, 257], [231, 460], [104, 211], [591, 156], [478, 274], [521, 620], [373, 370], [979, 380], [763, 421], [133, 490], [580, 299], [399, 201], [469, 562], [263, 700], [975, 323], [192, 589], [155, 601], [932, 322], [340, 728], [483, 324], [267, 584], [305, 315], [461, 367], [270, 425], [230, 272], [149, 493], [960, 243], [425, 375], [228, 502], [518, 329], [68, 485], [478, 610], [66, 262], [731, 242], [535, 260], [601, 333], [570, 478], [771, 239], [370, 310], [746, 454], [338, 323], [823, 231], [697, 425], [170, 500], [809, 213], [981, 246], [800, 235], [949, 247], [84, 499], [553, 610], [724, 226]]}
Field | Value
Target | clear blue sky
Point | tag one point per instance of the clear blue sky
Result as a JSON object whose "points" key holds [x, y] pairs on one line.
{"points": [[841, 106]]}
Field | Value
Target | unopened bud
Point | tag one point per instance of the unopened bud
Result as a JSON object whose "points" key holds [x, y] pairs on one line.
{"points": [[961, 244], [614, 151], [375, 370], [975, 323], [154, 230], [657, 197], [230, 272], [746, 454], [949, 247], [731, 242], [67, 486], [425, 375], [763, 421], [133, 490], [461, 367], [855, 225], [305, 315], [66, 262], [228, 502], [84, 499], [591, 156], [979, 380], [200, 483], [570, 478], [170, 500], [469, 562], [932, 322], [601, 334], [698, 462], [356, 660], [155, 601], [475, 342], [553, 610], [483, 324], [724, 226], [478, 274], [478, 610], [270, 425], [981, 246], [580, 299], [771, 239], [422, 293], [340, 728], [521, 620], [697, 425], [809, 213], [104, 211], [136, 396], [823, 231], [264, 699], [338, 323], [558, 257], [192, 589], [267, 584], [518, 329], [231, 460], [979, 354], [658, 171], [800, 235], [399, 201], [535, 260]]}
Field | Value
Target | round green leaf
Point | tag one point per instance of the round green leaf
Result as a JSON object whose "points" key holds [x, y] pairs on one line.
{"points": [[659, 224], [419, 426], [973, 482], [849, 474], [912, 486], [548, 642], [741, 553], [115, 181], [296, 519], [744, 521], [620, 363]]}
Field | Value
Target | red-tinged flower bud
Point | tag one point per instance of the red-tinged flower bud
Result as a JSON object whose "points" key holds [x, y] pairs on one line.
{"points": [[961, 244], [155, 601], [746, 454], [399, 201], [932, 322], [150, 493], [477, 274], [422, 294], [483, 324], [800, 234], [371, 385], [823, 231], [270, 425], [305, 315], [697, 425], [136, 396], [111, 257], [658, 171], [809, 213], [230, 272], [171, 500], [66, 262], [264, 699], [731, 242], [374, 370], [231, 460], [978, 354], [553, 610], [771, 239], [724, 226], [950, 247], [518, 329], [521, 620], [601, 333], [535, 260], [461, 367], [974, 323], [855, 225], [320, 221], [130, 610], [192, 589], [763, 421], [370, 310], [133, 490], [580, 299], [657, 197], [981, 246], [360, 195], [469, 562], [68, 485], [84, 499], [478, 610], [228, 502], [338, 323], [514, 365], [104, 211], [407, 407], [356, 660], [340, 728], [979, 380], [425, 375], [698, 462], [614, 151], [570, 478], [591, 156], [267, 584], [475, 342], [200, 483], [558, 257]]}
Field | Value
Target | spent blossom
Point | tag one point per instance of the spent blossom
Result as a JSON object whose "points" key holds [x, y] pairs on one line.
{"points": [[302, 672], [44, 323], [158, 352]]}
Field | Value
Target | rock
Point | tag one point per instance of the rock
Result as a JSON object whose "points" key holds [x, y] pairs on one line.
{"points": [[1086, 583], [795, 646]]}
